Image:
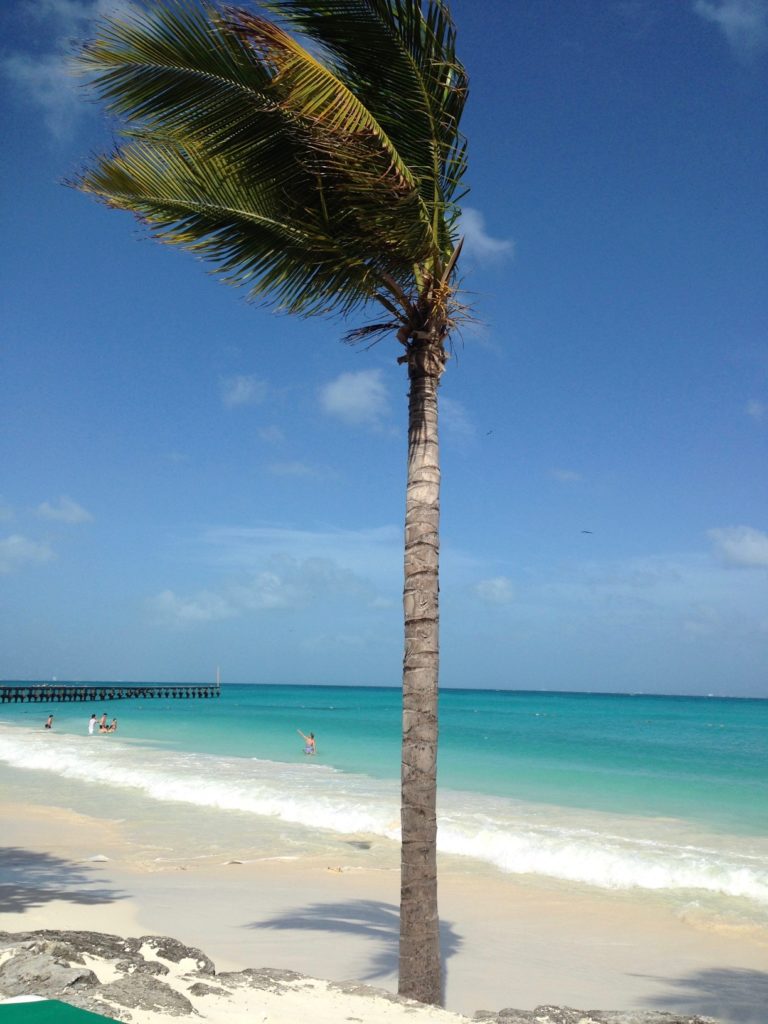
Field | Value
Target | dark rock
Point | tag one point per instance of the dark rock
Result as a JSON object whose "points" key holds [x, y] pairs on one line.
{"points": [[67, 945], [568, 1015], [145, 992], [52, 964], [201, 988], [270, 979], [356, 988], [31, 971], [141, 966]]}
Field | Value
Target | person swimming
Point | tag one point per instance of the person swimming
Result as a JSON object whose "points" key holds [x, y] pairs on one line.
{"points": [[309, 741]]}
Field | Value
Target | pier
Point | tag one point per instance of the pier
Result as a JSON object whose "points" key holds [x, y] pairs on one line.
{"points": [[50, 693]]}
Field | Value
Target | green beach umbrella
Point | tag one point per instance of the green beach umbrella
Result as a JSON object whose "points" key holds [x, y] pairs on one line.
{"points": [[48, 1011]]}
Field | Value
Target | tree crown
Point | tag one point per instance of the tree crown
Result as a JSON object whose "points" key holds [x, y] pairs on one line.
{"points": [[313, 156]]}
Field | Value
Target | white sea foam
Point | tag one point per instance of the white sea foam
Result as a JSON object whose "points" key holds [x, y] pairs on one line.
{"points": [[602, 850]]}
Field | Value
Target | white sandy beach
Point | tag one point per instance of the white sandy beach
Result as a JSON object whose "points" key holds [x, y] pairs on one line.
{"points": [[504, 943]]}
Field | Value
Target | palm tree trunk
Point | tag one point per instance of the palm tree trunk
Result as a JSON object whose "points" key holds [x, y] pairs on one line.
{"points": [[419, 924]]}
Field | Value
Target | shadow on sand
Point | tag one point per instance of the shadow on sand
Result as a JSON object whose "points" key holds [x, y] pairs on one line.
{"points": [[732, 995], [30, 879], [369, 919]]}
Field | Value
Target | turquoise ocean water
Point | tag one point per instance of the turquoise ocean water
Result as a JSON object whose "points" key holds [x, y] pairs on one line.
{"points": [[644, 794]]}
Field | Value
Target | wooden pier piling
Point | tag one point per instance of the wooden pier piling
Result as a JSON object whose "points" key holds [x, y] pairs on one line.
{"points": [[54, 693]]}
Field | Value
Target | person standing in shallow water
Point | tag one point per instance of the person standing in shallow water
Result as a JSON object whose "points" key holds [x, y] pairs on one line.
{"points": [[49, 722], [310, 747]]}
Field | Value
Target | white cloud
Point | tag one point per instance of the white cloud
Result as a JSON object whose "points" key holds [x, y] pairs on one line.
{"points": [[741, 546], [16, 551], [756, 410], [498, 590], [566, 476], [744, 23], [455, 418], [72, 17], [670, 597], [205, 606], [272, 435], [477, 242], [255, 569], [47, 81], [67, 511], [70, 14], [286, 583], [270, 589], [359, 399], [47, 78], [242, 390], [377, 551]]}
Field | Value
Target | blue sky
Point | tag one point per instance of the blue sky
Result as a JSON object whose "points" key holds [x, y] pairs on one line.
{"points": [[187, 480]]}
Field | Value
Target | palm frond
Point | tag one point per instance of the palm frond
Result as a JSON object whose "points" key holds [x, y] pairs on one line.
{"points": [[311, 90], [199, 204], [400, 56], [288, 166], [372, 333], [174, 69]]}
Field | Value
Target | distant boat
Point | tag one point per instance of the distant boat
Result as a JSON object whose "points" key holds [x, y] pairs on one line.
{"points": [[218, 677]]}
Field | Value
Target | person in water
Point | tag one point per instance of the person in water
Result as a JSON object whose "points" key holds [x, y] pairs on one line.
{"points": [[310, 747], [49, 722]]}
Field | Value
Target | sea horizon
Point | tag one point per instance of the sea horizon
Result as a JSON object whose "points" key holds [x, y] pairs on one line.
{"points": [[55, 681]]}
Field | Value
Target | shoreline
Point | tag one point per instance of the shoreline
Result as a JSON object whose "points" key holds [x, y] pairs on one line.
{"points": [[505, 942]]}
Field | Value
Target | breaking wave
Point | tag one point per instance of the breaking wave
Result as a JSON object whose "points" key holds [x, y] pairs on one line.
{"points": [[597, 849]]}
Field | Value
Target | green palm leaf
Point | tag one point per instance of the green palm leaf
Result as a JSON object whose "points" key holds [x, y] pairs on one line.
{"points": [[415, 87], [175, 69], [201, 204], [239, 96], [304, 143]]}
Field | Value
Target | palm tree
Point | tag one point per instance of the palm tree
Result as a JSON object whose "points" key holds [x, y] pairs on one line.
{"points": [[314, 158]]}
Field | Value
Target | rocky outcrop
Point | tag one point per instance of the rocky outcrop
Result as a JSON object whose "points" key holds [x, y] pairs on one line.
{"points": [[123, 977], [567, 1015], [103, 973]]}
